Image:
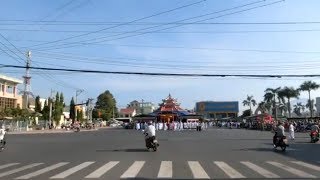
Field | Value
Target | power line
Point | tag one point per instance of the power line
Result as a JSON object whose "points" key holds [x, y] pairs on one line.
{"points": [[166, 32], [164, 74], [103, 29], [80, 43]]}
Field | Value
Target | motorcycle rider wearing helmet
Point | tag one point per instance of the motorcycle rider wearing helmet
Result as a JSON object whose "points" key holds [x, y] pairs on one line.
{"points": [[150, 133], [279, 133]]}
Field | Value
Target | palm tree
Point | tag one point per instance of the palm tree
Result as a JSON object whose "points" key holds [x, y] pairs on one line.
{"points": [[297, 108], [271, 96], [310, 105], [249, 102], [309, 86], [289, 92]]}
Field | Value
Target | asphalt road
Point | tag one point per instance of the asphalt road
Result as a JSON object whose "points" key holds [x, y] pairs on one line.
{"points": [[119, 153]]}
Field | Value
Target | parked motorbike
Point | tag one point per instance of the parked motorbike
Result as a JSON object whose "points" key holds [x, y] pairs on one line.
{"points": [[314, 136], [282, 142]]}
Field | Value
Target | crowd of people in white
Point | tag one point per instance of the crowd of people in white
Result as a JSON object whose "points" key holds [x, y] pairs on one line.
{"points": [[174, 125]]}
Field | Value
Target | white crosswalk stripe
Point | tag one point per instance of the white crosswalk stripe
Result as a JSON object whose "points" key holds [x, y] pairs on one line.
{"points": [[102, 170], [42, 171], [298, 169], [165, 170], [260, 170], [8, 165], [71, 170], [19, 169], [232, 173], [291, 170], [311, 166], [133, 170], [197, 170]]}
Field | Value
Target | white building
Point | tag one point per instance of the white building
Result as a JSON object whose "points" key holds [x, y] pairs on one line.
{"points": [[142, 107], [9, 93]]}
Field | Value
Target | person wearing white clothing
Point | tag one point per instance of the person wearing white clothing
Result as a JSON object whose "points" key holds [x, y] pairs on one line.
{"points": [[291, 131], [150, 133], [2, 137]]}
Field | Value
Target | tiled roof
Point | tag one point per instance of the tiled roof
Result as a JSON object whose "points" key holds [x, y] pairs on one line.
{"points": [[127, 111]]}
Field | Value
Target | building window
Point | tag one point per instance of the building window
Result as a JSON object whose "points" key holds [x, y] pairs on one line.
{"points": [[7, 103], [10, 89]]}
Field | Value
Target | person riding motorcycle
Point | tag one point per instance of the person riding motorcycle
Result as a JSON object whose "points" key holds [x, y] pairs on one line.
{"points": [[314, 128], [150, 133], [279, 133], [2, 136]]}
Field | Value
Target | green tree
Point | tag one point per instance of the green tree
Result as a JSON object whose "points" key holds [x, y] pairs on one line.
{"points": [[297, 108], [309, 86], [37, 105], [58, 107], [72, 110], [249, 102], [246, 113], [45, 111], [289, 92], [270, 96], [106, 104]]}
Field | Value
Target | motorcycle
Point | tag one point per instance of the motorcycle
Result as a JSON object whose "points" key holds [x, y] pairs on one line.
{"points": [[151, 142], [281, 142], [314, 136]]}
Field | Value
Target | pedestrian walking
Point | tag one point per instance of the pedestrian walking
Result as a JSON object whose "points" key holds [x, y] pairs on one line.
{"points": [[291, 131]]}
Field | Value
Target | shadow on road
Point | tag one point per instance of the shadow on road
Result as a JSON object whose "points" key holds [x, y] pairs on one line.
{"points": [[123, 150]]}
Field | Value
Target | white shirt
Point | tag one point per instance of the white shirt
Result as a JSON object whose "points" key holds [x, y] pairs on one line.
{"points": [[2, 133], [291, 127], [151, 131]]}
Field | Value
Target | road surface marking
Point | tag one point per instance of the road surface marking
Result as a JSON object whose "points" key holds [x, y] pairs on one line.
{"points": [[133, 170], [71, 170], [20, 169], [260, 170], [42, 171], [102, 170], [310, 166], [291, 170], [8, 165], [232, 173], [197, 170], [165, 170]]}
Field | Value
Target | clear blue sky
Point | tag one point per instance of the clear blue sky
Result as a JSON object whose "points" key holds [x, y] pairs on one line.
{"points": [[155, 52]]}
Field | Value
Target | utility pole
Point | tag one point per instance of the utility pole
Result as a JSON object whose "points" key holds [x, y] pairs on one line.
{"points": [[27, 89], [78, 92], [27, 82], [50, 113]]}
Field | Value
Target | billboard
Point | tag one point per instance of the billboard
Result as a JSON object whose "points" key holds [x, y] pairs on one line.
{"points": [[213, 106]]}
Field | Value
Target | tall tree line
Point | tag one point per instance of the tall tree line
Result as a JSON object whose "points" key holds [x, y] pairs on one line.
{"points": [[277, 100]]}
